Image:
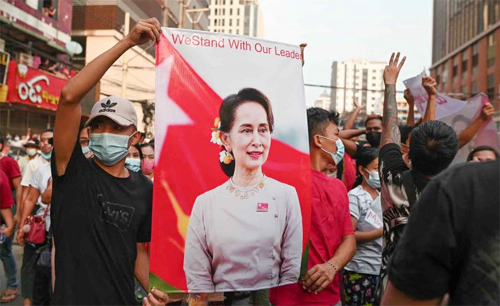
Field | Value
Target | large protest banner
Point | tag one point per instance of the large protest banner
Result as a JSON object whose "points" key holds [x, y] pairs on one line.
{"points": [[209, 233], [459, 121]]}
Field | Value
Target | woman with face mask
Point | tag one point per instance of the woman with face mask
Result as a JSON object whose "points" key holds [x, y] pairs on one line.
{"points": [[148, 160], [134, 157], [361, 275]]}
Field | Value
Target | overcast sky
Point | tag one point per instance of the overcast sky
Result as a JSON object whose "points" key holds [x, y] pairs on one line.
{"points": [[337, 30]]}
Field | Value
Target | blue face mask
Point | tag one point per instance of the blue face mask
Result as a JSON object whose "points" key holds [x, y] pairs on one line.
{"points": [[85, 150], [133, 164], [339, 155], [109, 148], [47, 156], [373, 179]]}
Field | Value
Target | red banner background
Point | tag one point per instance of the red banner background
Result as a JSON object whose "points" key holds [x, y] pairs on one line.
{"points": [[188, 166]]}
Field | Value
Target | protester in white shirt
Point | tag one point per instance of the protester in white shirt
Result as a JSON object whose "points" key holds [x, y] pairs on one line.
{"points": [[38, 186], [32, 147], [43, 158]]}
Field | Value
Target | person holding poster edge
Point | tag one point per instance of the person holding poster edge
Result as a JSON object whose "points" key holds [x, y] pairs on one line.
{"points": [[245, 234], [88, 195], [361, 274], [331, 243]]}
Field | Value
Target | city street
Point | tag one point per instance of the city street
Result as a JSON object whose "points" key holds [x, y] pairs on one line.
{"points": [[18, 254]]}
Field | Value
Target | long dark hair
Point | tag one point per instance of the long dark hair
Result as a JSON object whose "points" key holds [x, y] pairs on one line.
{"points": [[227, 114], [364, 158], [144, 145]]}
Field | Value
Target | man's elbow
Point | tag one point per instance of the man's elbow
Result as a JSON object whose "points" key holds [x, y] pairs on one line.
{"points": [[350, 147], [68, 96], [47, 199]]}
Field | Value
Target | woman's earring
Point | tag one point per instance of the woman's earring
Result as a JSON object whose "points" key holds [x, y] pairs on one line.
{"points": [[225, 157]]}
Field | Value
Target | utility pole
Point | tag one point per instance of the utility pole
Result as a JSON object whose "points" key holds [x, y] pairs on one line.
{"points": [[184, 12], [124, 57], [165, 13], [197, 14], [181, 14]]}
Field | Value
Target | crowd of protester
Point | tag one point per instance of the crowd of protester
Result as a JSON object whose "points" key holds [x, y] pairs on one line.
{"points": [[26, 181], [391, 224]]}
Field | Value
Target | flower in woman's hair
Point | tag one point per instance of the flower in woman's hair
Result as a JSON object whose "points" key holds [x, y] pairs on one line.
{"points": [[216, 133], [225, 157], [216, 138]]}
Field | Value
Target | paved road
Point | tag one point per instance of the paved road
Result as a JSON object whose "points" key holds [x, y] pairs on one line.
{"points": [[18, 254]]}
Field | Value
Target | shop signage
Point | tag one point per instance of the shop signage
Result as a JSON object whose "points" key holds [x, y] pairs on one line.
{"points": [[33, 86]]}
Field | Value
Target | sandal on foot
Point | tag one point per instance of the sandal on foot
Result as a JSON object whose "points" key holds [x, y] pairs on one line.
{"points": [[7, 298]]}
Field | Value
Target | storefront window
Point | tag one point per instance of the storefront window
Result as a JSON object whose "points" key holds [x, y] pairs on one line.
{"points": [[491, 50], [491, 86], [464, 64], [475, 58], [455, 69], [47, 7], [474, 88], [465, 93], [445, 74], [50, 8]]}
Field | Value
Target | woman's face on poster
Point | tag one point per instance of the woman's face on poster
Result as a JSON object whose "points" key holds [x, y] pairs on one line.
{"points": [[250, 137]]}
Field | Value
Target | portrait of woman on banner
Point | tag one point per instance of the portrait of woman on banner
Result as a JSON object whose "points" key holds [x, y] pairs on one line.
{"points": [[245, 234]]}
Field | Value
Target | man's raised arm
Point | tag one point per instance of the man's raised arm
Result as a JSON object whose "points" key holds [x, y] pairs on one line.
{"points": [[410, 121], [390, 133], [69, 111], [430, 87]]}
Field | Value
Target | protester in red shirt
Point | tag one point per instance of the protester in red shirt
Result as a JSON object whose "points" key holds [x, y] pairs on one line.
{"points": [[349, 177], [6, 203], [10, 168], [331, 243]]}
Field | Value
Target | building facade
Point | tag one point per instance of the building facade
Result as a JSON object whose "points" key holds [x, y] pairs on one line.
{"points": [[243, 17], [403, 111], [34, 63], [357, 79], [323, 101], [100, 24], [466, 49]]}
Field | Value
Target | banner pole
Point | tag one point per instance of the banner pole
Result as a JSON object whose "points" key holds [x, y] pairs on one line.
{"points": [[124, 57]]}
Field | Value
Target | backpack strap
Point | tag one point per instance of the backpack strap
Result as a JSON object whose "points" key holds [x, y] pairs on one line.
{"points": [[409, 187]]}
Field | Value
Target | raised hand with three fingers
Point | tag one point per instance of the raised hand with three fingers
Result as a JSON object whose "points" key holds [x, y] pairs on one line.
{"points": [[391, 71]]}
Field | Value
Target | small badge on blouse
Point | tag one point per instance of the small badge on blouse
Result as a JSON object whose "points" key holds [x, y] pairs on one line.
{"points": [[262, 207]]}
